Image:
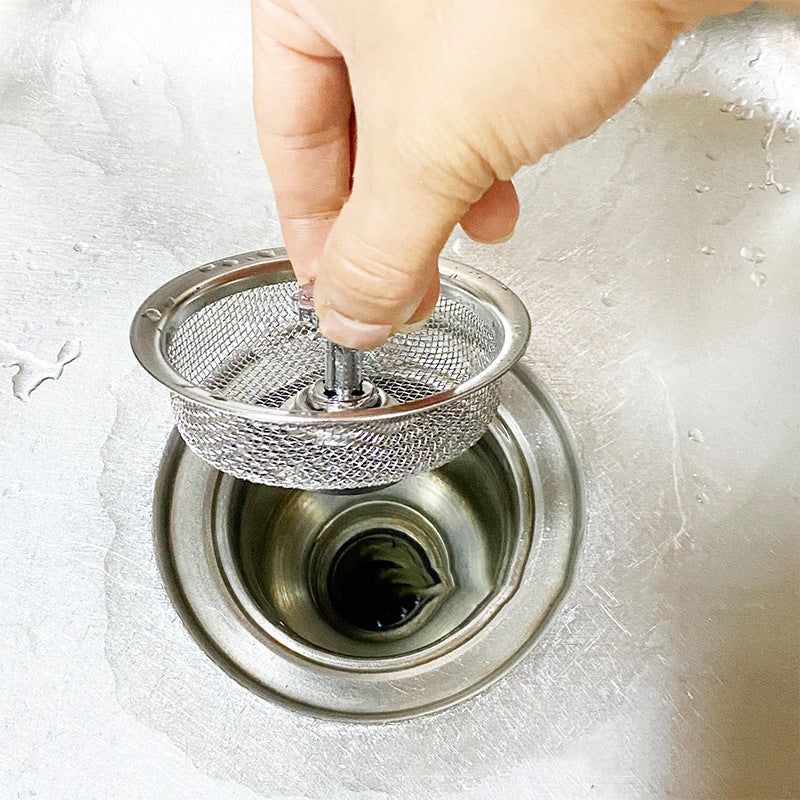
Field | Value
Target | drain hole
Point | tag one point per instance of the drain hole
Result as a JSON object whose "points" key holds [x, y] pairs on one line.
{"points": [[380, 580]]}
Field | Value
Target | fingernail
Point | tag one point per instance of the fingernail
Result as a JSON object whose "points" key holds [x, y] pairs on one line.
{"points": [[412, 327], [501, 239], [350, 332]]}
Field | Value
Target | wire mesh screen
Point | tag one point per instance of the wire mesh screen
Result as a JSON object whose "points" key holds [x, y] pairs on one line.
{"points": [[251, 348]]}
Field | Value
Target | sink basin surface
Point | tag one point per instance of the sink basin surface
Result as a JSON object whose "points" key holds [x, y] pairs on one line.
{"points": [[658, 260]]}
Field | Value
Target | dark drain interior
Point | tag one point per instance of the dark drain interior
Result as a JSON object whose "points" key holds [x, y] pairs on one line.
{"points": [[380, 580]]}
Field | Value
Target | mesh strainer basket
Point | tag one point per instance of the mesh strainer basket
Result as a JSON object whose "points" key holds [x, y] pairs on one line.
{"points": [[227, 340]]}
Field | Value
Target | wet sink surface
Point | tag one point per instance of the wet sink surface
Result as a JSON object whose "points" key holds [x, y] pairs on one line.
{"points": [[658, 260]]}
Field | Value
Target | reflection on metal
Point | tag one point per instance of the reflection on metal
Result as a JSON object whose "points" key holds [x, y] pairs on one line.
{"points": [[255, 571], [670, 667]]}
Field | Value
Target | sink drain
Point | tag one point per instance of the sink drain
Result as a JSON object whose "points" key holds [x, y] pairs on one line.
{"points": [[378, 570], [379, 582], [388, 603]]}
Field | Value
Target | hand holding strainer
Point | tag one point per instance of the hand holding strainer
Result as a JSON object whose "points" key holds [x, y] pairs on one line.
{"points": [[259, 393]]}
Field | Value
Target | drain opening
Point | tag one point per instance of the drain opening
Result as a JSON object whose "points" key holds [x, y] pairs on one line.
{"points": [[250, 568], [380, 580]]}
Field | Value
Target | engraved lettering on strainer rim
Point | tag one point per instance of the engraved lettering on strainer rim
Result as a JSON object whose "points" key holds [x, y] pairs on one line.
{"points": [[226, 339]]}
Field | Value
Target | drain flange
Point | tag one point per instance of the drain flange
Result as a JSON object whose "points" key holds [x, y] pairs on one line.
{"points": [[387, 604]]}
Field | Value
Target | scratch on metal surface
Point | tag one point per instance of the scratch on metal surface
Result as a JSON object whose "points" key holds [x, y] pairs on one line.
{"points": [[605, 444], [609, 595], [209, 733], [52, 146], [614, 619], [677, 465], [618, 406]]}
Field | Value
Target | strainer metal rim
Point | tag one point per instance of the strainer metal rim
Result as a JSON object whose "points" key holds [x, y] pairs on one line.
{"points": [[169, 305]]}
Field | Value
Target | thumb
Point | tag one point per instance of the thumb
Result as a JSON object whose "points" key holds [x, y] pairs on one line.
{"points": [[379, 269]]}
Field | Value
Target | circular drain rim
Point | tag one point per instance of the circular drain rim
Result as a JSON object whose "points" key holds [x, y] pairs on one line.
{"points": [[367, 691], [220, 490]]}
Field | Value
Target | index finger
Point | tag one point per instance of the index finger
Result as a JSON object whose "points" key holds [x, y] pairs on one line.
{"points": [[303, 106]]}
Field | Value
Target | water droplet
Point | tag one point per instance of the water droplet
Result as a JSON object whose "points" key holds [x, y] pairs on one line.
{"points": [[752, 253], [782, 187], [152, 314], [701, 498], [610, 297], [32, 370], [696, 435], [701, 187], [708, 250], [207, 267], [230, 262], [79, 247], [758, 278], [266, 253], [738, 108], [16, 255]]}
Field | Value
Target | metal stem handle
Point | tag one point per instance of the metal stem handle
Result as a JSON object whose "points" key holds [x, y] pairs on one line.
{"points": [[343, 385], [343, 373]]}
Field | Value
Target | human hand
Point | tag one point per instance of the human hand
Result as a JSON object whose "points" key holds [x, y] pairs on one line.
{"points": [[452, 98]]}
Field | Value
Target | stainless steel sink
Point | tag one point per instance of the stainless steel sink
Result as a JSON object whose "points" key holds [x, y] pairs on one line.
{"points": [[658, 259]]}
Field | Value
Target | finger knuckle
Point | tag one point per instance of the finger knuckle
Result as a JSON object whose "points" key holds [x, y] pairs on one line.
{"points": [[381, 282]]}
